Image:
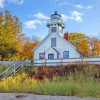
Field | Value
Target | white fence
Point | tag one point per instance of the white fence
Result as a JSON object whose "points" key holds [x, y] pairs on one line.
{"points": [[55, 62], [8, 62], [23, 62]]}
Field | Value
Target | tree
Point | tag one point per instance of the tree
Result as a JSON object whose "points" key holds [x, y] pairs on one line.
{"points": [[95, 46], [9, 29], [1, 33], [28, 49], [81, 41], [13, 44]]}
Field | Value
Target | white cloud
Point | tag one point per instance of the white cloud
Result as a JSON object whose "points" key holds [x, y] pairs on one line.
{"points": [[32, 24], [2, 3], [62, 3], [90, 6], [76, 16], [82, 6], [79, 6], [19, 2], [64, 17], [41, 16]]}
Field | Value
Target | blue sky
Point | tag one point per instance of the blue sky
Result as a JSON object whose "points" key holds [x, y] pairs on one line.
{"points": [[79, 15]]}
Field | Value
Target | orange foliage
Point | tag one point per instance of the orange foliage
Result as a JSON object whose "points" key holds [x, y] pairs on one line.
{"points": [[27, 52], [81, 41], [95, 46]]}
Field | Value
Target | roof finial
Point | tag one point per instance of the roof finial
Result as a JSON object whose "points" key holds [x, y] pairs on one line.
{"points": [[55, 12]]}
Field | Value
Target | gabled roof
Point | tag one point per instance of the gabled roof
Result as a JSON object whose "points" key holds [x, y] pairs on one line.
{"points": [[68, 42], [41, 42], [73, 46], [61, 38]]}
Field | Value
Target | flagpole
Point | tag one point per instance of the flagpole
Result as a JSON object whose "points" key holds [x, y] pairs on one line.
{"points": [[45, 62], [44, 58]]}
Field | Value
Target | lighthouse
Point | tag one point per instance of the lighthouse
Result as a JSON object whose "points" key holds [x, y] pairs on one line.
{"points": [[55, 24]]}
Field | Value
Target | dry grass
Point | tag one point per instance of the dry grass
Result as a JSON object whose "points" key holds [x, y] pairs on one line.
{"points": [[83, 81]]}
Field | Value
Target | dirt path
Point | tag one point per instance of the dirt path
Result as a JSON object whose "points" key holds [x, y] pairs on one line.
{"points": [[20, 96]]}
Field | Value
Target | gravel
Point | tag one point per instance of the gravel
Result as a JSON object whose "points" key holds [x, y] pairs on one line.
{"points": [[21, 96]]}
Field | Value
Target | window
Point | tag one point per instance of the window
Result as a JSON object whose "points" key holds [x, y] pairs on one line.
{"points": [[53, 29], [41, 55], [57, 55], [51, 56], [66, 54], [53, 42]]}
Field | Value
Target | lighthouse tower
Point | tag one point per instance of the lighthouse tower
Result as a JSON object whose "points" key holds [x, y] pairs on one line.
{"points": [[55, 24]]}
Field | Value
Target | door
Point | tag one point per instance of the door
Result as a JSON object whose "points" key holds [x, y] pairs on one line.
{"points": [[51, 56]]}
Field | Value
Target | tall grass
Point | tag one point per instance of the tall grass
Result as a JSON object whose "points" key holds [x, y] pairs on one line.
{"points": [[58, 86], [72, 80], [2, 68]]}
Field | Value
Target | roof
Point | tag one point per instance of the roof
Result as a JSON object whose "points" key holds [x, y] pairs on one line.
{"points": [[41, 42], [74, 47], [60, 37], [56, 14], [68, 42]]}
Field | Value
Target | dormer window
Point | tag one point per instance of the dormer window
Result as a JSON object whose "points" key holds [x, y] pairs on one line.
{"points": [[53, 29]]}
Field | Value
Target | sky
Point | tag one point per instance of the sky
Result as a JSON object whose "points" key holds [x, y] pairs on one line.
{"points": [[82, 16]]}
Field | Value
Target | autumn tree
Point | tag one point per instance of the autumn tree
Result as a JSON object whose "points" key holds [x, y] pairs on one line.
{"points": [[81, 41], [28, 49], [13, 44], [9, 31], [1, 34], [95, 47]]}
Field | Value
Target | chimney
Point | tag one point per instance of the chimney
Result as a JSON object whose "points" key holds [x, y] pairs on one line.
{"points": [[66, 36]]}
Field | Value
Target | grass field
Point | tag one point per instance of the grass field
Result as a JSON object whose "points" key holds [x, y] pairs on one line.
{"points": [[83, 82]]}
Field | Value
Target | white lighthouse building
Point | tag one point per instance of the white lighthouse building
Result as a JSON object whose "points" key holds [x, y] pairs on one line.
{"points": [[54, 47]]}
